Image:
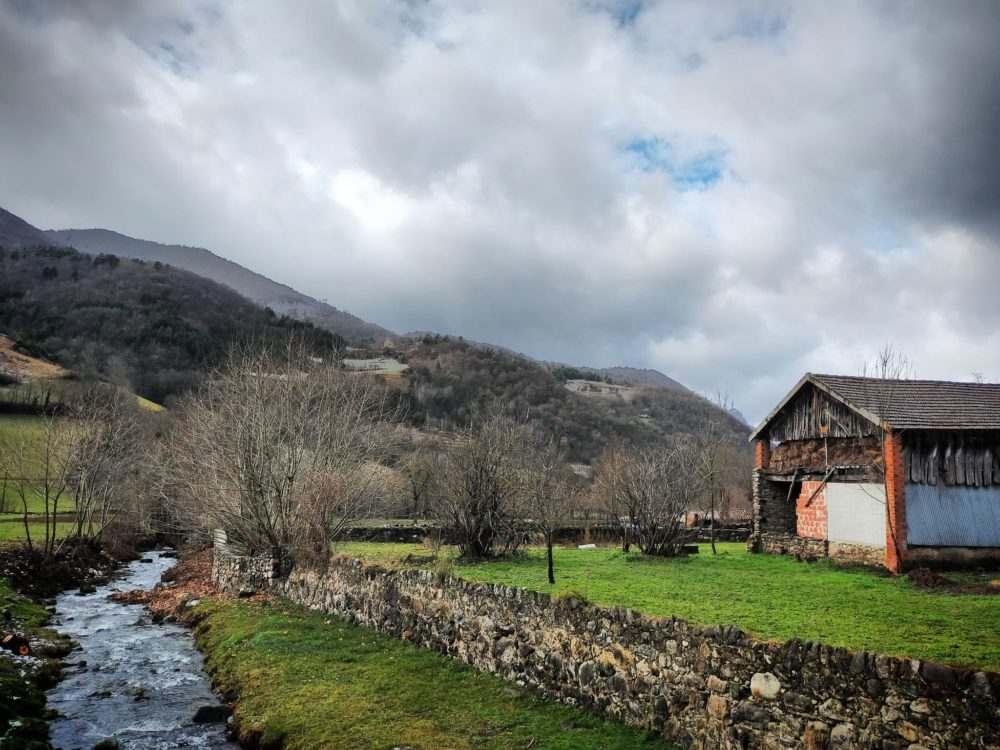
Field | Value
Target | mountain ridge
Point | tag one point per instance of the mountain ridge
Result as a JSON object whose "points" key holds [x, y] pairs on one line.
{"points": [[259, 289]]}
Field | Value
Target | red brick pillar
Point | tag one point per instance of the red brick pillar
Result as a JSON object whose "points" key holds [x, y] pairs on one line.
{"points": [[762, 453], [895, 497]]}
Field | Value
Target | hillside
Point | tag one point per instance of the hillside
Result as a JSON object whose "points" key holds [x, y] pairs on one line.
{"points": [[449, 380], [267, 293], [20, 367], [15, 232], [151, 327], [636, 376]]}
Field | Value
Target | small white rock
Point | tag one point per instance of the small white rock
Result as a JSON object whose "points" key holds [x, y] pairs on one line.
{"points": [[765, 686]]}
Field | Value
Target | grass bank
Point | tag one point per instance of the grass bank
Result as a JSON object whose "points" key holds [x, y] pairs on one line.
{"points": [[23, 715], [769, 597], [306, 680]]}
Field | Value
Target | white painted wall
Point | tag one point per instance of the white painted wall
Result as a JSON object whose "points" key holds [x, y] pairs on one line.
{"points": [[856, 513]]}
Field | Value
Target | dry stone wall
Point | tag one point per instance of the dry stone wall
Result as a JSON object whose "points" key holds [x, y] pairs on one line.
{"points": [[701, 687]]}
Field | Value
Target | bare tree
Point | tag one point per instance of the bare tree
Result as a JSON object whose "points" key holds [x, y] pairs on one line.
{"points": [[881, 395], [655, 485], [552, 492], [482, 486], [279, 450], [420, 468], [716, 453], [104, 457], [612, 493], [37, 469]]}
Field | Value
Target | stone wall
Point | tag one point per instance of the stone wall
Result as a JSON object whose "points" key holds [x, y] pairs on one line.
{"points": [[397, 533], [773, 510], [813, 549], [702, 687]]}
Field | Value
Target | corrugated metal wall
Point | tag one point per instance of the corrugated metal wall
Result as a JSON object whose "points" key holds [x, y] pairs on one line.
{"points": [[855, 512], [952, 516]]}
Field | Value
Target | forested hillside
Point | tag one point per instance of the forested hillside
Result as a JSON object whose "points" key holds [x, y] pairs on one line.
{"points": [[258, 288], [150, 325], [451, 379]]}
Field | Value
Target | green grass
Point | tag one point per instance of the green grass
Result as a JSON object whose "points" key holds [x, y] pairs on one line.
{"points": [[772, 598], [13, 530], [316, 681], [12, 426]]}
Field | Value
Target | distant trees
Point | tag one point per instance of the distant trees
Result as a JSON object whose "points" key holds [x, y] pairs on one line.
{"points": [[166, 325], [565, 372], [279, 450]]}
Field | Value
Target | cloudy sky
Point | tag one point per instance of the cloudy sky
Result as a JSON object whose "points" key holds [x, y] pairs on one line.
{"points": [[732, 193]]}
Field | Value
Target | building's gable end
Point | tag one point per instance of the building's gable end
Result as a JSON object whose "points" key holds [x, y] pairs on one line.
{"points": [[815, 412]]}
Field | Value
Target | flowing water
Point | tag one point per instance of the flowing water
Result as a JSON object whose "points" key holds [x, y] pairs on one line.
{"points": [[134, 681]]}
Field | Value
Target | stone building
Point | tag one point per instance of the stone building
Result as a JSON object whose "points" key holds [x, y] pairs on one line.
{"points": [[897, 473]]}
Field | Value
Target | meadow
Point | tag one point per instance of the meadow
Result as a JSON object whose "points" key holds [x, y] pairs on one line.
{"points": [[771, 598]]}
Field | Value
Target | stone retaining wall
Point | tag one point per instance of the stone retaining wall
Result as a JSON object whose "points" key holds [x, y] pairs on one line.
{"points": [[702, 687]]}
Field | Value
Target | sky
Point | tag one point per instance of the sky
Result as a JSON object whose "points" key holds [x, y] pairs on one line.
{"points": [[733, 193]]}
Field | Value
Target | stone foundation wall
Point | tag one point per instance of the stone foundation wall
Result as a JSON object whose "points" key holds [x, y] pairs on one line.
{"points": [[702, 687], [814, 549], [953, 557]]}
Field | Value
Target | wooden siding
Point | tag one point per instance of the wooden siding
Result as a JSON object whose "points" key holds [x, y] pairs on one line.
{"points": [[970, 459], [813, 414]]}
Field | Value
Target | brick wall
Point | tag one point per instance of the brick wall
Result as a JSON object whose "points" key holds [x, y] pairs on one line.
{"points": [[762, 454], [895, 487], [810, 511]]}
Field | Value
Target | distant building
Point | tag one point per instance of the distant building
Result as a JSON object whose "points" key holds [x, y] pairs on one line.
{"points": [[898, 473]]}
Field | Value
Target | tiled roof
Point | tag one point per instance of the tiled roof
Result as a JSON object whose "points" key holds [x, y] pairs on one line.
{"points": [[920, 404]]}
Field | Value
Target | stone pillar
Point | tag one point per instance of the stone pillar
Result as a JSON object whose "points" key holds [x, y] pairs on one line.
{"points": [[895, 500]]}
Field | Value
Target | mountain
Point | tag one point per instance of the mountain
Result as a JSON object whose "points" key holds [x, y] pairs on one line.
{"points": [[635, 376], [150, 326], [259, 289], [451, 380], [16, 232]]}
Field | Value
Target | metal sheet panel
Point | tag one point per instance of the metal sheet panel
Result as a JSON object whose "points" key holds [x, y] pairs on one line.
{"points": [[855, 513], [952, 516]]}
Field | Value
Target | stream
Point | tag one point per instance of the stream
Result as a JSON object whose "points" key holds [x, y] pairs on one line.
{"points": [[136, 682]]}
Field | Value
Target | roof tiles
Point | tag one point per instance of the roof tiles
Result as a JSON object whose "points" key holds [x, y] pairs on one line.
{"points": [[920, 404]]}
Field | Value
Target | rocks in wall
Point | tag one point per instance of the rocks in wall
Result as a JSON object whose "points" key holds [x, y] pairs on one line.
{"points": [[703, 687]]}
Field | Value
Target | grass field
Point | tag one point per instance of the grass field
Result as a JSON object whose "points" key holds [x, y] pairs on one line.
{"points": [[12, 530], [316, 681], [769, 597], [12, 428]]}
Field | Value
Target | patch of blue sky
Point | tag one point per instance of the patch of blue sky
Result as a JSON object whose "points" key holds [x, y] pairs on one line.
{"points": [[28, 12], [887, 238], [624, 12], [762, 27], [697, 172]]}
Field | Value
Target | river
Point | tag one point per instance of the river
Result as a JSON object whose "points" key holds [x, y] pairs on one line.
{"points": [[136, 682]]}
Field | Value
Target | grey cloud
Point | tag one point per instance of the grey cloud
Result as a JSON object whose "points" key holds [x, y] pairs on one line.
{"points": [[460, 167]]}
